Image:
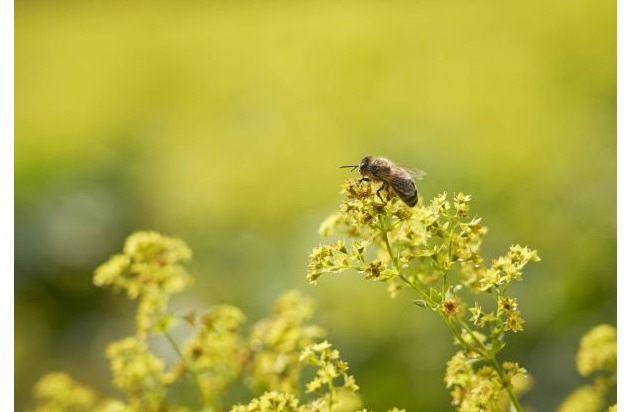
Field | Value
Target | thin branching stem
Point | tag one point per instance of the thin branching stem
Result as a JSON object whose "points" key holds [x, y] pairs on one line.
{"points": [[205, 399], [479, 347], [459, 337], [402, 277]]}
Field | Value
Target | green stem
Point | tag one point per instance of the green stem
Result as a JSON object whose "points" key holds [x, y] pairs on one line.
{"points": [[480, 345], [331, 402], [402, 277], [206, 401], [506, 385], [459, 338]]}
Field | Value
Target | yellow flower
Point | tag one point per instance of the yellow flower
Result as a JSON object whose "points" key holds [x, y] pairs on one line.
{"points": [[598, 350], [452, 306]]}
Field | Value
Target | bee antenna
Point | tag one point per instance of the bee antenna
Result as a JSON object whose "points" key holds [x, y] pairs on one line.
{"points": [[352, 166]]}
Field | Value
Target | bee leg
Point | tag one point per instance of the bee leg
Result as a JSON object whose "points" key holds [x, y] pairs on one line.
{"points": [[384, 187], [361, 180]]}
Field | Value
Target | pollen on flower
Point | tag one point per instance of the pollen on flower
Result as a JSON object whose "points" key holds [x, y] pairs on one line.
{"points": [[373, 270], [507, 304], [357, 190], [452, 307]]}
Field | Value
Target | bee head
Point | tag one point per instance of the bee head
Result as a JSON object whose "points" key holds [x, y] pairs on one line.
{"points": [[364, 164]]}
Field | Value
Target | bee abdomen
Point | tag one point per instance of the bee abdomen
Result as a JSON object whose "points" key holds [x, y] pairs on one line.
{"points": [[410, 200], [405, 189]]}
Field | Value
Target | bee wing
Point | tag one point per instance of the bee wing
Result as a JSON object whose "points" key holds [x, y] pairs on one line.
{"points": [[414, 172], [402, 185]]}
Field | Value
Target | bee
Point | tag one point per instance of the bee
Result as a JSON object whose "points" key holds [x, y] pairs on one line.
{"points": [[391, 175]]}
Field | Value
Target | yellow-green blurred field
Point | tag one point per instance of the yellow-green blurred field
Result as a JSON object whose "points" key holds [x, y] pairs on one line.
{"points": [[224, 123]]}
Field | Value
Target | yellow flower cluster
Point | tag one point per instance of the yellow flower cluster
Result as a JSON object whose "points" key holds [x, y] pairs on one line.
{"points": [[596, 357], [270, 359], [148, 270], [435, 250], [138, 373], [598, 351], [277, 341], [477, 387]]}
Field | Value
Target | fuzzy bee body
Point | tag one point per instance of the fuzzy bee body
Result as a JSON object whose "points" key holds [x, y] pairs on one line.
{"points": [[399, 178]]}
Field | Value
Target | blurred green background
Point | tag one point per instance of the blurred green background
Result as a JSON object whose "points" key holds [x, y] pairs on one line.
{"points": [[224, 123]]}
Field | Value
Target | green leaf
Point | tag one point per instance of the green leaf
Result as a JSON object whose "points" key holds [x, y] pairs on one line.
{"points": [[422, 303]]}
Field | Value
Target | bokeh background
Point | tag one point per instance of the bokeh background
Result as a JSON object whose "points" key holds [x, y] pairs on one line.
{"points": [[224, 123]]}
